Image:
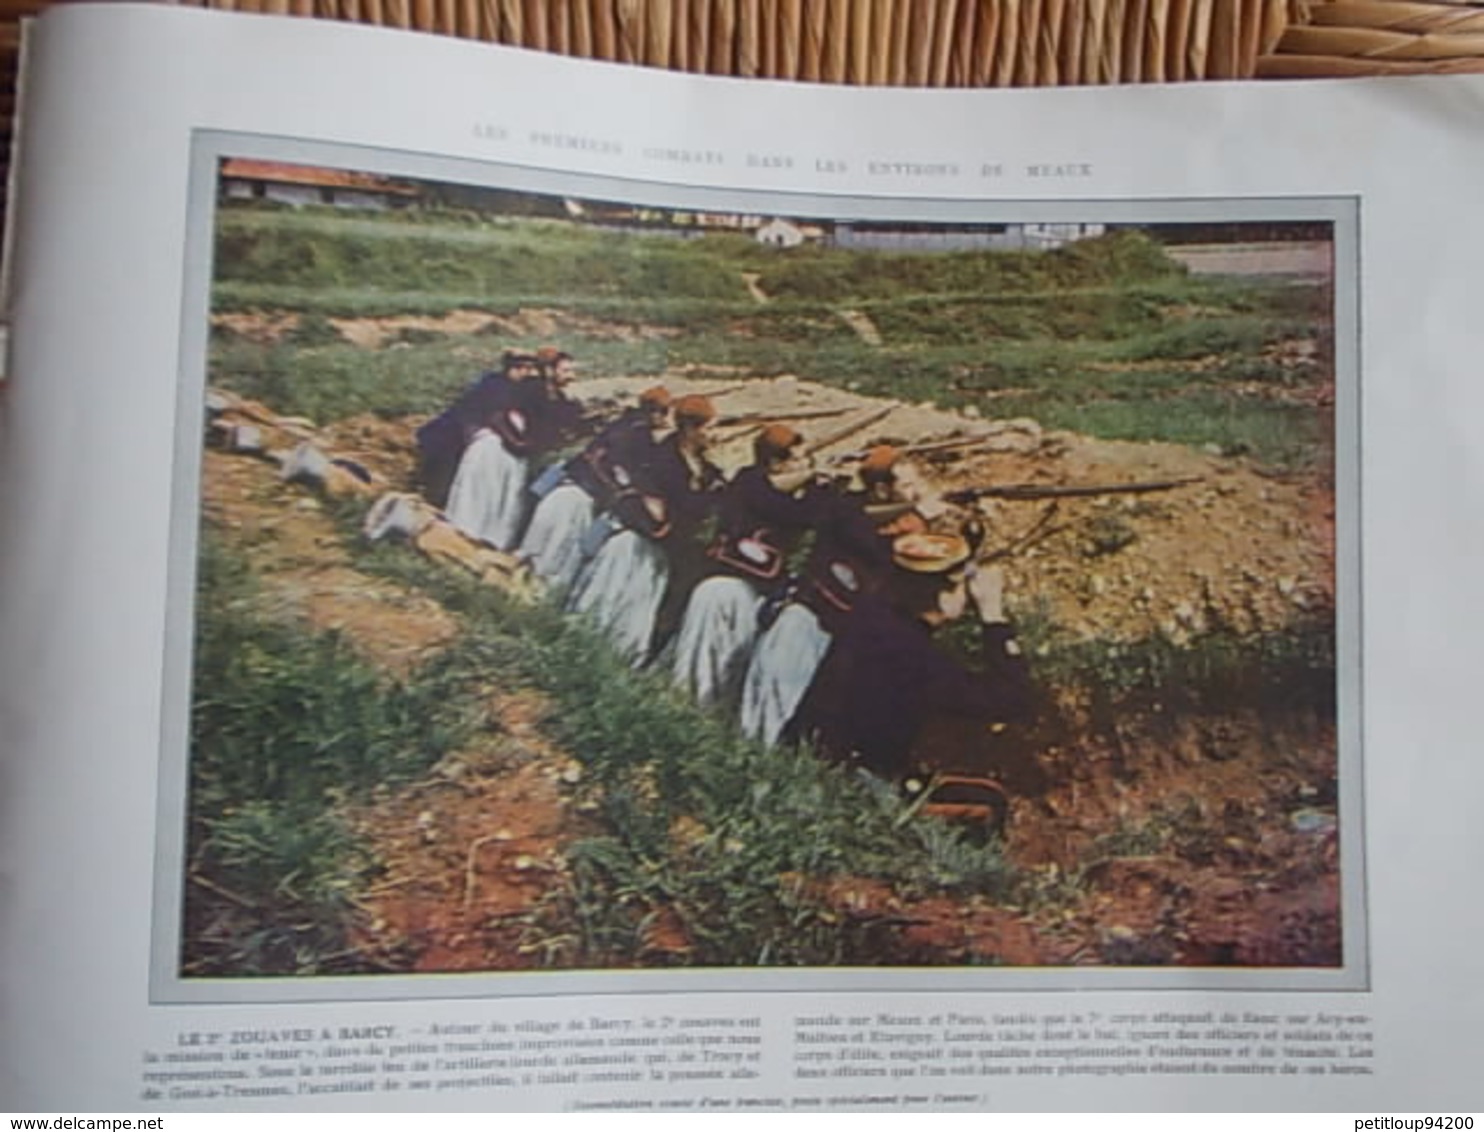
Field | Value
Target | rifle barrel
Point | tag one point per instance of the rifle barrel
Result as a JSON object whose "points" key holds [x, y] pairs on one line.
{"points": [[873, 417], [1029, 491], [764, 418]]}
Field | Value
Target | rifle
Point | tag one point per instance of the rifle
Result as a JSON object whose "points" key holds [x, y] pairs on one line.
{"points": [[925, 448], [723, 391], [932, 447], [849, 430], [1026, 491], [761, 418], [752, 422]]}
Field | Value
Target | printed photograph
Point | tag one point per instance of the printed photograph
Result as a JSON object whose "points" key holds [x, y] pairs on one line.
{"points": [[590, 584]]}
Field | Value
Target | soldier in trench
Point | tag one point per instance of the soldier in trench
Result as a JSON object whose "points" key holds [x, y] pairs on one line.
{"points": [[884, 680]]}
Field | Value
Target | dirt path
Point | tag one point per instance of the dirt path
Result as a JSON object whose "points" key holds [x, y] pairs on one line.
{"points": [[860, 322], [752, 280], [376, 333], [1311, 260], [297, 554]]}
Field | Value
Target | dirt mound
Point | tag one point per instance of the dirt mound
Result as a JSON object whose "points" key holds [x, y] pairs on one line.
{"points": [[254, 326], [939, 929], [387, 446], [1238, 548], [375, 333]]}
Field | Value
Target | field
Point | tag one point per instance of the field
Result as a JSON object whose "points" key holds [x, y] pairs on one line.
{"points": [[395, 768]]}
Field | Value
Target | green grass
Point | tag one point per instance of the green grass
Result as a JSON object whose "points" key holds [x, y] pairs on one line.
{"points": [[1282, 436], [839, 275], [522, 256], [331, 382], [1276, 674], [1064, 385], [1106, 336], [727, 837], [287, 723], [273, 890], [359, 299], [509, 257]]}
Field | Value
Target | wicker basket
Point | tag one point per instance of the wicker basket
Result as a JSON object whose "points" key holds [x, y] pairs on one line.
{"points": [[876, 42], [941, 43], [1327, 38], [958, 42]]}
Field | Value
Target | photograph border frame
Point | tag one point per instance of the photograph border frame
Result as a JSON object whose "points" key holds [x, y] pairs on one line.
{"points": [[166, 985]]}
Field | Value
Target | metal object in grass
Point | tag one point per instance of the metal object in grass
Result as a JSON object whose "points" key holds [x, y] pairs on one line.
{"points": [[974, 803]]}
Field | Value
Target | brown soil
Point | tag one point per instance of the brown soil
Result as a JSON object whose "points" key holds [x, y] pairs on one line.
{"points": [[1238, 548], [261, 328], [297, 553], [1246, 869], [469, 851], [379, 333], [472, 852], [1226, 802]]}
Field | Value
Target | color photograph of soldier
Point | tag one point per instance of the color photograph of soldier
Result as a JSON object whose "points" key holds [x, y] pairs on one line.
{"points": [[588, 585]]}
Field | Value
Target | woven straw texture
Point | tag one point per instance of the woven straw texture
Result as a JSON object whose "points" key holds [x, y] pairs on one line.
{"points": [[941, 43], [1338, 38]]}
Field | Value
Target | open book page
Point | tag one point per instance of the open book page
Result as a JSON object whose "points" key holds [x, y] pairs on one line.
{"points": [[533, 584]]}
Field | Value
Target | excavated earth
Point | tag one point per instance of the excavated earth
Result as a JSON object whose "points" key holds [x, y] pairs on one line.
{"points": [[1170, 838]]}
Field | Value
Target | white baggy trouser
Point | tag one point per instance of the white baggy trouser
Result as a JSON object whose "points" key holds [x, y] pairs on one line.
{"points": [[783, 664], [488, 496], [620, 592], [553, 542], [716, 639]]}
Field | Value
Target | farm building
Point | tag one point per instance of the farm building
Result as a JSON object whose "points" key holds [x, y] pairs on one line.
{"points": [[300, 185], [778, 233]]}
